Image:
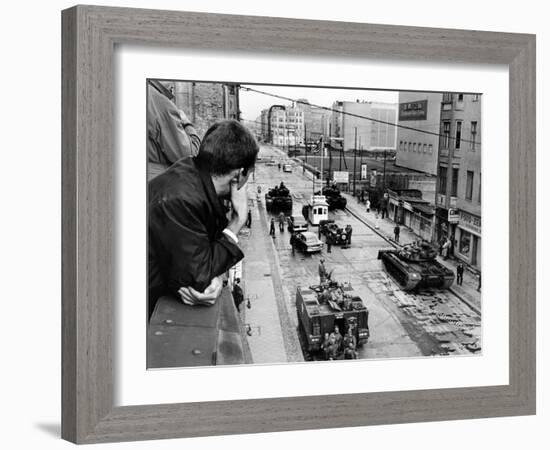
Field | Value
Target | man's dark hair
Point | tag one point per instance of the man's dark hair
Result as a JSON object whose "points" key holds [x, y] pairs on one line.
{"points": [[226, 146]]}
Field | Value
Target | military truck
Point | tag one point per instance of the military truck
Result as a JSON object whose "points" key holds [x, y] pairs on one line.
{"points": [[415, 266], [335, 234], [278, 199], [321, 307]]}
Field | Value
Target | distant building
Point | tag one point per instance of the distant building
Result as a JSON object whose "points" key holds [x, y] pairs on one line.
{"points": [[371, 135], [415, 149], [315, 120], [458, 198], [205, 103], [283, 125]]}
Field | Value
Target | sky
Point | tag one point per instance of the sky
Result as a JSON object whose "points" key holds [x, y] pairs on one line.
{"points": [[252, 103]]}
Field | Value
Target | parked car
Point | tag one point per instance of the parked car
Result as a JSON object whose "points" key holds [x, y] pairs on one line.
{"points": [[271, 162], [307, 242], [298, 223], [287, 168]]}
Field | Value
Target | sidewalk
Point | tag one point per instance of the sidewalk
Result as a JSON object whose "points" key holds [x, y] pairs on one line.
{"points": [[384, 227]]}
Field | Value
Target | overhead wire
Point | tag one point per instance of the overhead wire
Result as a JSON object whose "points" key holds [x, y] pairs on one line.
{"points": [[326, 108]]}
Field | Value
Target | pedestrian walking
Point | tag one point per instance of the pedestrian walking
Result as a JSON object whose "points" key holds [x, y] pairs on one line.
{"points": [[396, 232], [279, 166], [459, 274], [329, 243], [446, 248], [249, 219], [282, 221], [368, 205], [238, 295], [272, 227], [293, 243]]}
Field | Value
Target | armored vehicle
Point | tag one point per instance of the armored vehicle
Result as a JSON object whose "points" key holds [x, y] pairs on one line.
{"points": [[278, 199], [335, 234], [414, 266], [334, 198], [322, 307]]}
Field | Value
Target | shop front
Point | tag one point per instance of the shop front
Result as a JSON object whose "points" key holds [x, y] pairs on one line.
{"points": [[469, 239]]}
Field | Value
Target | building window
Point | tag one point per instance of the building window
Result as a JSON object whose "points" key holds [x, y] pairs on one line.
{"points": [[464, 243], [458, 135], [473, 135], [442, 180], [446, 134], [475, 98], [401, 145], [460, 97], [414, 147], [447, 97], [454, 186], [469, 184], [479, 192], [430, 149], [424, 148], [409, 146]]}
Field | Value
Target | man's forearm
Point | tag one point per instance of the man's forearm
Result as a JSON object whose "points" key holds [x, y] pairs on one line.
{"points": [[235, 224]]}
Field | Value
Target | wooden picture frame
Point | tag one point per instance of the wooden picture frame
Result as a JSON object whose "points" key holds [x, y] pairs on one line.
{"points": [[90, 34]]}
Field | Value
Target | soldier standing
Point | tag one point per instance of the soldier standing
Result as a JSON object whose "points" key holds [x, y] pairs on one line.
{"points": [[322, 271], [348, 235], [293, 243]]}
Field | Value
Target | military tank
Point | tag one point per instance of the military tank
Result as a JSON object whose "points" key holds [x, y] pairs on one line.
{"points": [[414, 266], [322, 307], [278, 199], [334, 198]]}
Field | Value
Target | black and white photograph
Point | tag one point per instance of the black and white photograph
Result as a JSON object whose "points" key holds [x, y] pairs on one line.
{"points": [[292, 224]]}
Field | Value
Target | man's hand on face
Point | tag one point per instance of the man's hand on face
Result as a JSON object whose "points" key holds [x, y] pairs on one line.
{"points": [[239, 199], [190, 296]]}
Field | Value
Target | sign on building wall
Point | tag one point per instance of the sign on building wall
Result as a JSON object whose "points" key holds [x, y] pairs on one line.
{"points": [[453, 215], [470, 222], [413, 110], [340, 177]]}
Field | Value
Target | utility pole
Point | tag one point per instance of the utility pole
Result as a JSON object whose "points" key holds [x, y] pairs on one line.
{"points": [[361, 160], [329, 155], [354, 161], [384, 176], [305, 149], [322, 158]]}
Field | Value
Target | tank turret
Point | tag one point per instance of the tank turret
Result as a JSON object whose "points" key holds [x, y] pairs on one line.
{"points": [[278, 199]]}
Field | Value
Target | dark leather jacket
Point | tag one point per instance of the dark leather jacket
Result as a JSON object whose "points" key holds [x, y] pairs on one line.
{"points": [[186, 218]]}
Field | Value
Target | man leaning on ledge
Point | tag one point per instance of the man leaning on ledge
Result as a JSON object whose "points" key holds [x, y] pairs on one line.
{"points": [[191, 241]]}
